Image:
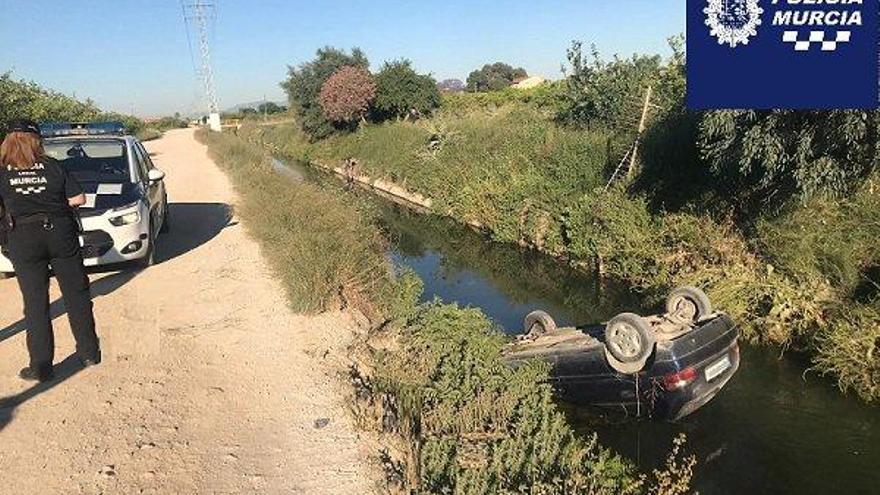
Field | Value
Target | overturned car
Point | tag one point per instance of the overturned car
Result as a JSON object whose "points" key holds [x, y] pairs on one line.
{"points": [[663, 366]]}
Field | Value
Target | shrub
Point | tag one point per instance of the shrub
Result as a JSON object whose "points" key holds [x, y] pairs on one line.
{"points": [[346, 95], [304, 83], [399, 89], [606, 94], [21, 99], [494, 77], [849, 348], [770, 156], [477, 426]]}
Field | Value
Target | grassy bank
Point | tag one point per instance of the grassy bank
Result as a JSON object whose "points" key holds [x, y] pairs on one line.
{"points": [[792, 283], [454, 418]]}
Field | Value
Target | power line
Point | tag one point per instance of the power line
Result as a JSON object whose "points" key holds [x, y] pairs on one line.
{"points": [[192, 58]]}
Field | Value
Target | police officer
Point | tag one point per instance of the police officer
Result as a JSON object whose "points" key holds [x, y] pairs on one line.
{"points": [[39, 197]]}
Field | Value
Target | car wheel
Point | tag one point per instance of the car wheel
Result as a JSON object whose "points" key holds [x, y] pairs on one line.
{"points": [[628, 338], [688, 304], [166, 220], [538, 323], [150, 258]]}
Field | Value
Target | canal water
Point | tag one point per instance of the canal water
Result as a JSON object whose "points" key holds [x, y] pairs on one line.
{"points": [[775, 428]]}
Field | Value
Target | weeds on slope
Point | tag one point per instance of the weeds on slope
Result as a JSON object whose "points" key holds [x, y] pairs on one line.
{"points": [[469, 424], [325, 251]]}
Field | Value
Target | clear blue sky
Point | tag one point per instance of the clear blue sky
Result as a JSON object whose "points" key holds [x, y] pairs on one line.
{"points": [[133, 56]]}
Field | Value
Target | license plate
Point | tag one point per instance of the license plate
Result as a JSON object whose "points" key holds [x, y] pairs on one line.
{"points": [[716, 368]]}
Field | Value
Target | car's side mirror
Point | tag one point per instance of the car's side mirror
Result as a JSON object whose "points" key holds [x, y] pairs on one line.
{"points": [[155, 175]]}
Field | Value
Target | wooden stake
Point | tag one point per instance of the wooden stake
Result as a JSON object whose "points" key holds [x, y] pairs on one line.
{"points": [[643, 122]]}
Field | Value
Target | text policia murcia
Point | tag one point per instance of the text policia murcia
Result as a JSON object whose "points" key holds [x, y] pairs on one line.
{"points": [[849, 14]]}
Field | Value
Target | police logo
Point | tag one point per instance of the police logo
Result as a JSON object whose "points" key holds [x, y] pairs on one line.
{"points": [[733, 22]]}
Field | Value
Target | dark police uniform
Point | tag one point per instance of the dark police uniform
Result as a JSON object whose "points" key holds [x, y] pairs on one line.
{"points": [[45, 233]]}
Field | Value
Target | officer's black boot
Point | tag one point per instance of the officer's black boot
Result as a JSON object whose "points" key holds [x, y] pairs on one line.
{"points": [[42, 373], [91, 361]]}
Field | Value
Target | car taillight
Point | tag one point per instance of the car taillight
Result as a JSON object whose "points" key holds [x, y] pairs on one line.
{"points": [[679, 380]]}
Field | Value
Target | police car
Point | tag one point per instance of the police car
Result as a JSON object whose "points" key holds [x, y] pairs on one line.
{"points": [[126, 202]]}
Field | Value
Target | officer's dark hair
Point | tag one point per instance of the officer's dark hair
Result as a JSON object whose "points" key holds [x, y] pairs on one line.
{"points": [[23, 146]]}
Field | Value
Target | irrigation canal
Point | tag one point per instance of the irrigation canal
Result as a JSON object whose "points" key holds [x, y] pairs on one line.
{"points": [[775, 428]]}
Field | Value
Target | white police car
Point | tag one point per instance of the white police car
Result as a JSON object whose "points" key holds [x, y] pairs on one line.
{"points": [[126, 201]]}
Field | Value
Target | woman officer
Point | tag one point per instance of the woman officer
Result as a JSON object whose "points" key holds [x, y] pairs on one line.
{"points": [[39, 198]]}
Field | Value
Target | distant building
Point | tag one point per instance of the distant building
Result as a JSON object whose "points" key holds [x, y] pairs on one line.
{"points": [[529, 82]]}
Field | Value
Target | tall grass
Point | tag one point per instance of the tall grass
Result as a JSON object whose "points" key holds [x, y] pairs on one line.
{"points": [[327, 254], [511, 170]]}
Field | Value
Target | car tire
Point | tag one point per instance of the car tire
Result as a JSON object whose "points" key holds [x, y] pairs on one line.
{"points": [[538, 323], [688, 304], [150, 258], [166, 220], [629, 338]]}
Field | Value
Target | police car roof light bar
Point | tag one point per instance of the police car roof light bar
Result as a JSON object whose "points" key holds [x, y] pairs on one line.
{"points": [[57, 129]]}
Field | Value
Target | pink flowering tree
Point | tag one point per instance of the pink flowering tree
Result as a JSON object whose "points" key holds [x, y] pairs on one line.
{"points": [[346, 96]]}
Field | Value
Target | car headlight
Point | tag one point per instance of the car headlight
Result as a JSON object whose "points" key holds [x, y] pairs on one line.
{"points": [[126, 219]]}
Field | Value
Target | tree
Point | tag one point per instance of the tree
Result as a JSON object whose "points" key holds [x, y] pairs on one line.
{"points": [[606, 93], [270, 107], [451, 86], [304, 84], [22, 99], [346, 95], [494, 77], [781, 153], [399, 90]]}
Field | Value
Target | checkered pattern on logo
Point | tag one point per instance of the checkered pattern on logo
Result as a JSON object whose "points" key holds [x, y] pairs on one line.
{"points": [[30, 190], [816, 38]]}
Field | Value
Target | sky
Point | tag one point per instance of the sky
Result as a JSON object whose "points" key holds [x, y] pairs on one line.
{"points": [[141, 56]]}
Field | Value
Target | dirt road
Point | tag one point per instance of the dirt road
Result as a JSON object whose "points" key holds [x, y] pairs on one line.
{"points": [[209, 383]]}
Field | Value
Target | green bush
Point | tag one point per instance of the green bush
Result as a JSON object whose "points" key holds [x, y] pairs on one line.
{"points": [[769, 156], [602, 94], [400, 89], [849, 349], [303, 85], [21, 99], [478, 426]]}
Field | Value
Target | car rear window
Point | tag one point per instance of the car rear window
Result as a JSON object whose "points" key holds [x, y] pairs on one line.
{"points": [[91, 160]]}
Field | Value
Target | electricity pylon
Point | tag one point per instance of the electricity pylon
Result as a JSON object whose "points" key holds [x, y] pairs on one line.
{"points": [[200, 12]]}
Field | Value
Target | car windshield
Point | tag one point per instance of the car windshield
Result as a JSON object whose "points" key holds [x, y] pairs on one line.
{"points": [[91, 160]]}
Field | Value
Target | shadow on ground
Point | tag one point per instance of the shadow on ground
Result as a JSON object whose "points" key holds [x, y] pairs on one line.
{"points": [[100, 287], [63, 371], [192, 225]]}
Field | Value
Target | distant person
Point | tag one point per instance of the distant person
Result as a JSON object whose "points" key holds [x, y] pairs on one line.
{"points": [[39, 197]]}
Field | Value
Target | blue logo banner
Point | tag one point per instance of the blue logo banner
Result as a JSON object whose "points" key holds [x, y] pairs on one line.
{"points": [[785, 54]]}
